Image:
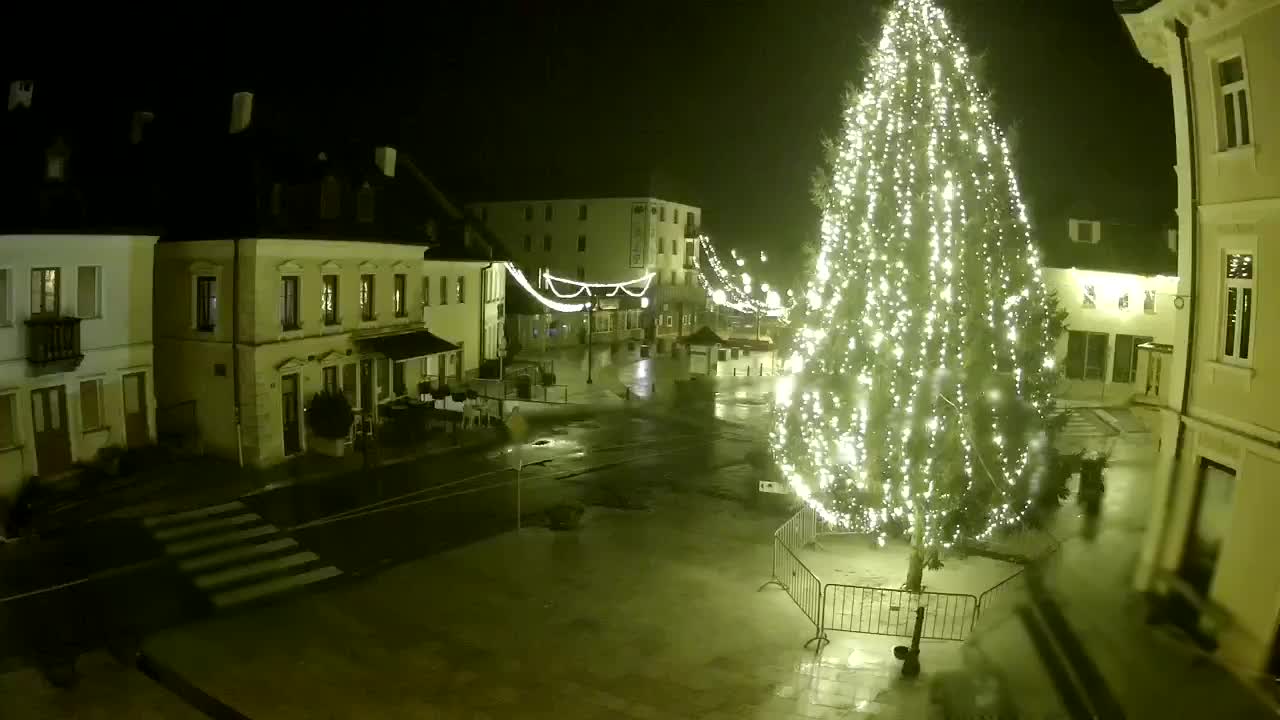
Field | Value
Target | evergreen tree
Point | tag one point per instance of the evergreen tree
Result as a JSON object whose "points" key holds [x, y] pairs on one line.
{"points": [[923, 370]]}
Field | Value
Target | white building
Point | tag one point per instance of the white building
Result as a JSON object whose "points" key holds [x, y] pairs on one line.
{"points": [[605, 240], [1118, 285], [330, 281], [1211, 540], [75, 291]]}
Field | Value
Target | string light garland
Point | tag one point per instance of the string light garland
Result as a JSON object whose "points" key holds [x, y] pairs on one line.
{"points": [[523, 282], [634, 288], [734, 291], [916, 398]]}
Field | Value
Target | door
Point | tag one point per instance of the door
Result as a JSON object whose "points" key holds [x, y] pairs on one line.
{"points": [[1209, 525], [49, 425], [1124, 368], [136, 431], [289, 414]]}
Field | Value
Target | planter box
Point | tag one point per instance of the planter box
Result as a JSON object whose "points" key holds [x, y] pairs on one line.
{"points": [[332, 447]]}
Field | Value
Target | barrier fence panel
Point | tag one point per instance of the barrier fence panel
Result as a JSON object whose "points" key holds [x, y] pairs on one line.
{"points": [[804, 588], [1000, 597], [879, 611], [800, 530]]}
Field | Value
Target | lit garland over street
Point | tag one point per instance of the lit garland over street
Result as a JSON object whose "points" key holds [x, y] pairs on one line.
{"points": [[735, 292], [632, 288], [918, 392]]}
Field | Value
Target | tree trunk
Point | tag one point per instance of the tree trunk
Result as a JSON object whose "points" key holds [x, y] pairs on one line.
{"points": [[915, 569]]}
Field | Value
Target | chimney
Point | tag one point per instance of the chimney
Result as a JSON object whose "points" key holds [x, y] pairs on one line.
{"points": [[241, 111], [385, 157], [140, 120], [20, 93]]}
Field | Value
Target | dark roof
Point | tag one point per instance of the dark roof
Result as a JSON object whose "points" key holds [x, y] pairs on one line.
{"points": [[406, 345], [703, 336], [1133, 6], [1122, 248]]}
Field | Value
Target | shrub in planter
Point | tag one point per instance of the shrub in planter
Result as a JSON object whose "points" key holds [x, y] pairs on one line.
{"points": [[329, 416]]}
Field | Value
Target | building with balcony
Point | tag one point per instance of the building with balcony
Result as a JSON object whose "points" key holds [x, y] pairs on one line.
{"points": [[76, 244], [338, 269], [602, 240], [1210, 543], [1118, 284]]}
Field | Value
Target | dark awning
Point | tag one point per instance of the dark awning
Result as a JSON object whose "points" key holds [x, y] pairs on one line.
{"points": [[406, 345]]}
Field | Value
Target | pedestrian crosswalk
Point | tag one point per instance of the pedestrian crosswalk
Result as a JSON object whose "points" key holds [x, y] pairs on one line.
{"points": [[234, 555], [1084, 422]]}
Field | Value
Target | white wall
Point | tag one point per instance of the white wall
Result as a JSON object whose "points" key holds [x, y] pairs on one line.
{"points": [[115, 342]]}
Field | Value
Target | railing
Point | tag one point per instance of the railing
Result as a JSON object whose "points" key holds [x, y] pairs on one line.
{"points": [[53, 339], [881, 611]]}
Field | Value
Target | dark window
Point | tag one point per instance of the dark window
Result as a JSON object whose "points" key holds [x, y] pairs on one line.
{"points": [[484, 214], [444, 290], [329, 378], [662, 214], [397, 379], [1215, 499], [1086, 355], [400, 300], [582, 273], [289, 302], [206, 303], [582, 243], [528, 212], [528, 243], [546, 212], [1124, 367], [366, 298], [582, 212], [662, 245], [546, 243], [364, 204], [330, 198], [675, 216], [329, 300], [1084, 232], [426, 290], [384, 377]]}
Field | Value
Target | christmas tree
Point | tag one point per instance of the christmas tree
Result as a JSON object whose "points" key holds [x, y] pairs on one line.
{"points": [[920, 387]]}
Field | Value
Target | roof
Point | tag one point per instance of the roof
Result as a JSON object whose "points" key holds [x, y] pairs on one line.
{"points": [[1122, 248], [406, 345], [703, 336]]}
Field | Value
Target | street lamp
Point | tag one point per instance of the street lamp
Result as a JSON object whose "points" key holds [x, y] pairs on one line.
{"points": [[591, 308]]}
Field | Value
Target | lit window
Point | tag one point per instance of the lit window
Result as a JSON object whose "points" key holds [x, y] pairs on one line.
{"points": [[399, 295], [366, 298], [462, 289], [206, 303], [46, 289], [1234, 90], [1237, 322], [329, 300], [1090, 296]]}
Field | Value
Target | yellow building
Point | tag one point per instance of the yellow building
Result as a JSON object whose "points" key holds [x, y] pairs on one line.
{"points": [[1212, 537]]}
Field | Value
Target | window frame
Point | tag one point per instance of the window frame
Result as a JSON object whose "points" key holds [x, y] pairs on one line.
{"points": [[101, 423], [582, 211], [1244, 127], [400, 295], [97, 292], [1243, 353], [57, 291], [330, 299], [444, 289], [547, 213], [6, 297], [212, 326], [582, 243], [460, 288], [368, 297], [328, 372], [426, 291], [285, 280]]}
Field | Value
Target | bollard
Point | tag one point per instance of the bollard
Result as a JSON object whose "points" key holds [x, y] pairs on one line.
{"points": [[910, 657]]}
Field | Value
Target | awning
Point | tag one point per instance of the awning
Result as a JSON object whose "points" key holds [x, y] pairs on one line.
{"points": [[406, 345]]}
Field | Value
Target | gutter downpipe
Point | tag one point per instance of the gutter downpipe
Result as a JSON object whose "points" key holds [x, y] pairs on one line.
{"points": [[484, 307], [1194, 223], [235, 347]]}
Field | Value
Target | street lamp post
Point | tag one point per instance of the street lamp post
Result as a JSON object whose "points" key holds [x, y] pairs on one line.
{"points": [[591, 307]]}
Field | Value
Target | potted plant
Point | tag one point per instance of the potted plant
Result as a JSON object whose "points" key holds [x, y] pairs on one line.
{"points": [[329, 416]]}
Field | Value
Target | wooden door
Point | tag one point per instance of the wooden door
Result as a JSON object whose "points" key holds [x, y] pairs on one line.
{"points": [[136, 430], [49, 426], [289, 414]]}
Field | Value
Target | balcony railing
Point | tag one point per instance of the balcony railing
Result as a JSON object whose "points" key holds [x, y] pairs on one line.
{"points": [[53, 339]]}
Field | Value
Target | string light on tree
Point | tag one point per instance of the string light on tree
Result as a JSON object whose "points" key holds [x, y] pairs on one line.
{"points": [[923, 365]]}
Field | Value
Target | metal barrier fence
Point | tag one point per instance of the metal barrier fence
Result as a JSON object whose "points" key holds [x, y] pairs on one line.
{"points": [[999, 596], [881, 611], [792, 575]]}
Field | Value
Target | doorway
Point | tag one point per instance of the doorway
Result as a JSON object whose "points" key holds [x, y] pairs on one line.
{"points": [[289, 414], [1210, 520], [136, 430], [49, 426]]}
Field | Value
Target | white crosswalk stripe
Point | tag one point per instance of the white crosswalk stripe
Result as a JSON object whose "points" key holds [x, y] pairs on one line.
{"points": [[234, 554], [1078, 425]]}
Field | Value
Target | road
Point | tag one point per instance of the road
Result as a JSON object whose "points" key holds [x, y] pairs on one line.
{"points": [[111, 583]]}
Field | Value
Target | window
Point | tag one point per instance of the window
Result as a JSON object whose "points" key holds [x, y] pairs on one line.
{"points": [[1086, 355], [426, 290], [675, 216], [1090, 296], [582, 243], [444, 290], [662, 214], [329, 300], [691, 220], [462, 289], [6, 317], [688, 279], [1123, 303], [1237, 325], [8, 421], [673, 278], [1235, 103], [289, 302], [366, 298], [528, 243], [89, 292], [582, 273], [329, 378], [546, 243], [546, 212], [46, 289], [364, 204], [582, 212], [91, 405], [384, 377], [662, 242], [400, 301], [1149, 301], [330, 200], [528, 212], [1084, 231], [206, 303], [675, 247], [349, 384]]}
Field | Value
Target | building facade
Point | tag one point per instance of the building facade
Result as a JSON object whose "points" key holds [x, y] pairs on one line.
{"points": [[1211, 538], [602, 240], [1118, 284], [76, 247]]}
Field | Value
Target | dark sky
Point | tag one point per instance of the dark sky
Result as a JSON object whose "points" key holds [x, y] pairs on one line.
{"points": [[727, 99]]}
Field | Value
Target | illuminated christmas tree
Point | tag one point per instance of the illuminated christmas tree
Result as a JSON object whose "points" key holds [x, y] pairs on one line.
{"points": [[921, 382]]}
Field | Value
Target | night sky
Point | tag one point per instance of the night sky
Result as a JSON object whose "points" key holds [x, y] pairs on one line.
{"points": [[724, 101]]}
